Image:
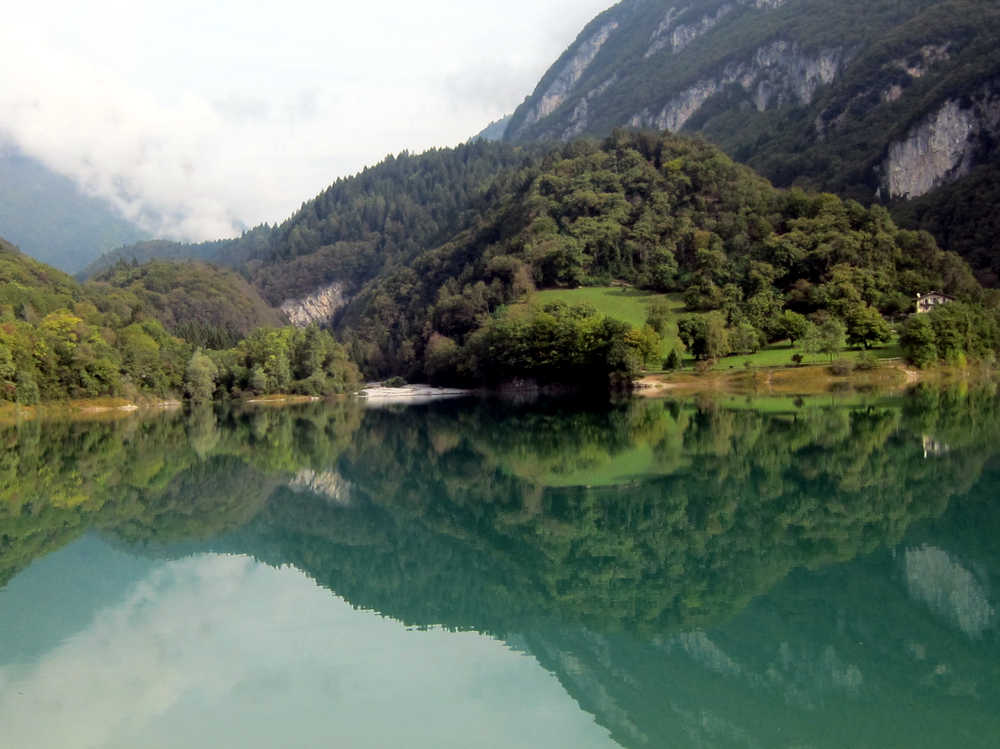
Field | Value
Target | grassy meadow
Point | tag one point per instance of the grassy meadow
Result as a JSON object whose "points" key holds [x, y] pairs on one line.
{"points": [[631, 306], [620, 302]]}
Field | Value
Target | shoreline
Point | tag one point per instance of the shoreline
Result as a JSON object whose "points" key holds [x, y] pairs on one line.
{"points": [[84, 409], [889, 378], [113, 408]]}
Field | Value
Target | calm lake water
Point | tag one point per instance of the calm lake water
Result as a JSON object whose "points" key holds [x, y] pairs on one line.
{"points": [[476, 574]]}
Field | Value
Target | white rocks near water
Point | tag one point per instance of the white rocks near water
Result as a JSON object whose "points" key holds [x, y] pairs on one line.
{"points": [[379, 395], [328, 484]]}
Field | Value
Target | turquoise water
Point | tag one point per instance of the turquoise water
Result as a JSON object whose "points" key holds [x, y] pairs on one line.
{"points": [[481, 574]]}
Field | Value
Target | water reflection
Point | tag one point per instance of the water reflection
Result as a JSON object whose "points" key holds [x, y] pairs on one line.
{"points": [[717, 574], [203, 639]]}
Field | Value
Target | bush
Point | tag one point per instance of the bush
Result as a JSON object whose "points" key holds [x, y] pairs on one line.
{"points": [[866, 362], [673, 361], [394, 382], [840, 368]]}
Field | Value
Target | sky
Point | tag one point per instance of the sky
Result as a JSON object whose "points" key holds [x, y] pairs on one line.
{"points": [[196, 119]]}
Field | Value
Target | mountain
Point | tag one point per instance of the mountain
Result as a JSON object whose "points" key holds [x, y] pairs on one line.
{"points": [[383, 216], [51, 219], [413, 261], [664, 213], [892, 99]]}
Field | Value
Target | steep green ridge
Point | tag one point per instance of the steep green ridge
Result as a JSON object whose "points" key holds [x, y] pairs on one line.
{"points": [[834, 96], [230, 252], [52, 220]]}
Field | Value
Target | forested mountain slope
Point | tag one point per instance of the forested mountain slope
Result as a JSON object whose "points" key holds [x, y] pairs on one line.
{"points": [[660, 212], [386, 214], [52, 220], [413, 261], [889, 98]]}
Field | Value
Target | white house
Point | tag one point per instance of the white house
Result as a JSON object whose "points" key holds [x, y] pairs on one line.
{"points": [[930, 300]]}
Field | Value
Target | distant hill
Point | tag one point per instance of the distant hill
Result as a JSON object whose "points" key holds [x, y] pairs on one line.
{"points": [[193, 299], [51, 219], [143, 331], [872, 99]]}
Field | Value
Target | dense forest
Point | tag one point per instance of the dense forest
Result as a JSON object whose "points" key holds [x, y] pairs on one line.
{"points": [[62, 339], [204, 304], [658, 212]]}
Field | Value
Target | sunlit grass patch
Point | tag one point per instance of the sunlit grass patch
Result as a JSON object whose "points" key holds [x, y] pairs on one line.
{"points": [[620, 302]]}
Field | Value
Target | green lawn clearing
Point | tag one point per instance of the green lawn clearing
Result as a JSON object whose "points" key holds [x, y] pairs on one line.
{"points": [[780, 355], [631, 305], [620, 302]]}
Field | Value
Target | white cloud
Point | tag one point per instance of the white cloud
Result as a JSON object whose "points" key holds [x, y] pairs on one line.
{"points": [[223, 651], [196, 117]]}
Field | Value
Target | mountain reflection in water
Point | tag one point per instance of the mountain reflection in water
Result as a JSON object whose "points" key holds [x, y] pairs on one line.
{"points": [[706, 574]]}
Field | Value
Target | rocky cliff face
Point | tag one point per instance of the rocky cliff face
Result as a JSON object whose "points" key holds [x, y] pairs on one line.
{"points": [[775, 75], [318, 307], [568, 74], [572, 96], [677, 36], [890, 101], [944, 145]]}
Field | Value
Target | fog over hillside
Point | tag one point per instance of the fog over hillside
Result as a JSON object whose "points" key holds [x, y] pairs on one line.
{"points": [[193, 130]]}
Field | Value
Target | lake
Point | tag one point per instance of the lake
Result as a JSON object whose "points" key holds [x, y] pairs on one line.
{"points": [[720, 572]]}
